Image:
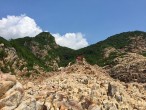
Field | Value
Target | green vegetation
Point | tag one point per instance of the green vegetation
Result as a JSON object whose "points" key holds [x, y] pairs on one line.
{"points": [[5, 42], [65, 54], [2, 54], [25, 53], [94, 54], [45, 38]]}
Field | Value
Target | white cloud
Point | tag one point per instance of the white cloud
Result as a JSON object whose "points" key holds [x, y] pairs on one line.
{"points": [[71, 40], [18, 26], [13, 27]]}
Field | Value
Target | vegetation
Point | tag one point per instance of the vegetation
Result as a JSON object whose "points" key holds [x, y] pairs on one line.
{"points": [[94, 54], [25, 53], [2, 54], [5, 42]]}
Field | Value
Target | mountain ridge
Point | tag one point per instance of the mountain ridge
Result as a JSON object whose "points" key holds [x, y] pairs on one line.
{"points": [[43, 53]]}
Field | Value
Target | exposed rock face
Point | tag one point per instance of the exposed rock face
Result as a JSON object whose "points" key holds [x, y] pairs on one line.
{"points": [[130, 67], [138, 44], [9, 61], [40, 53], [108, 51]]}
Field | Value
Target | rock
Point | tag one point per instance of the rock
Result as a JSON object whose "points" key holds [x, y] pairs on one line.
{"points": [[11, 92], [8, 77], [111, 90], [12, 100], [86, 104], [144, 87], [94, 107], [129, 68], [108, 51], [118, 97], [30, 85], [85, 81], [5, 86], [28, 104], [73, 89], [113, 108], [109, 105]]}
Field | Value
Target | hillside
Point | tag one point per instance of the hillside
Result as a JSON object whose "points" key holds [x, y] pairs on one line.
{"points": [[37, 83], [116, 45], [40, 54], [122, 55]]}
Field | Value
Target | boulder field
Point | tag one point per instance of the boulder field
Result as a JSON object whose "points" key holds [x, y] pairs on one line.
{"points": [[76, 87]]}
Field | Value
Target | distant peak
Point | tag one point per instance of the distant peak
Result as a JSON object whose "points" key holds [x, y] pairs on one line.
{"points": [[44, 34]]}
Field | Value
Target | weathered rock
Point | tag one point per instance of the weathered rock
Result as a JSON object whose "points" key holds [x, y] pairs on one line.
{"points": [[94, 107], [11, 92], [111, 90], [74, 89], [5, 86], [129, 68]]}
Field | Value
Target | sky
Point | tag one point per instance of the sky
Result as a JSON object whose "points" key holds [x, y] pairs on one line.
{"points": [[73, 23]]}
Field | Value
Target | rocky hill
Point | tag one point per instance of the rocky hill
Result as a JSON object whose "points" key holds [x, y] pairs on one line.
{"points": [[76, 87], [118, 83], [28, 55], [122, 55]]}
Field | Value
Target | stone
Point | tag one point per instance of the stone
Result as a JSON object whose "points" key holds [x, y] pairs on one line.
{"points": [[66, 91], [113, 108], [12, 100], [94, 107], [27, 105], [118, 97], [5, 86], [111, 90]]}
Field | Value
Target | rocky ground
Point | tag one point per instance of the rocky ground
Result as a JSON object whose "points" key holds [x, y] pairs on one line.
{"points": [[77, 87], [129, 68]]}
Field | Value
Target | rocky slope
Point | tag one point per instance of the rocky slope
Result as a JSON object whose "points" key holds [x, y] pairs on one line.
{"points": [[28, 55], [10, 62], [122, 55], [129, 67], [76, 87]]}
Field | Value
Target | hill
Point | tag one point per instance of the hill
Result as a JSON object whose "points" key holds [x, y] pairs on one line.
{"points": [[37, 54], [103, 52], [122, 55], [118, 54]]}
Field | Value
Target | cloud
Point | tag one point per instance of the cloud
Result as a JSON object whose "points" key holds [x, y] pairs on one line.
{"points": [[18, 26], [13, 27], [71, 40]]}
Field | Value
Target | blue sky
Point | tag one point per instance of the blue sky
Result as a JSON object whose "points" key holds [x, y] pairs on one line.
{"points": [[95, 19]]}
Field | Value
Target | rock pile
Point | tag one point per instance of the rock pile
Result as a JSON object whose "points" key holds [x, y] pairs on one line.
{"points": [[77, 87], [130, 68], [86, 87]]}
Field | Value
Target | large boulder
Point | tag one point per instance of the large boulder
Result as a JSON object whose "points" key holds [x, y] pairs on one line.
{"points": [[11, 92]]}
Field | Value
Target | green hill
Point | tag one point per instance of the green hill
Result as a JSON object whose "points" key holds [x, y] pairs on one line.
{"points": [[43, 51], [94, 54]]}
